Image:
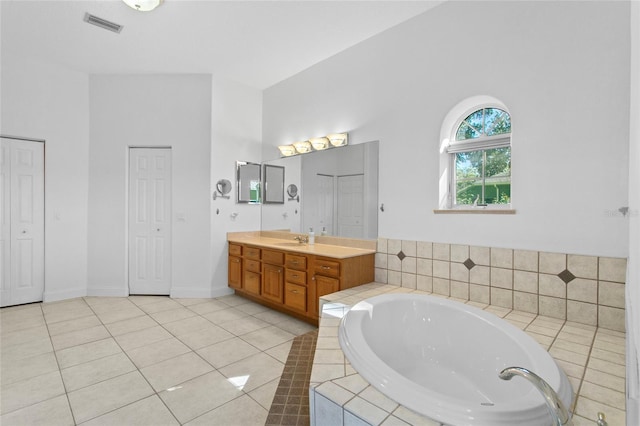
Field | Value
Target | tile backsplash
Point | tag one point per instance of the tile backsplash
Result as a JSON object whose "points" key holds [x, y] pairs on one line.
{"points": [[584, 289]]}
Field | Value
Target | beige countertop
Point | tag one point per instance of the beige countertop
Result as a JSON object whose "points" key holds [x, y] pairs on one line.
{"points": [[289, 244]]}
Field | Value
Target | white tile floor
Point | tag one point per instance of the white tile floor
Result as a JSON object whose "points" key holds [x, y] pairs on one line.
{"points": [[142, 360]]}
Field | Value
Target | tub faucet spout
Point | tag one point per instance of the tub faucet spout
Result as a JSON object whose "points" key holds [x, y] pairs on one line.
{"points": [[559, 413]]}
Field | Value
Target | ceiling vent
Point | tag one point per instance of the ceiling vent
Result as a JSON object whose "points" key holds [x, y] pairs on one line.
{"points": [[102, 23]]}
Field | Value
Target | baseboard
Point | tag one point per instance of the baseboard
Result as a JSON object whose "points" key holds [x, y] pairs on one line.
{"points": [[54, 296], [219, 292], [108, 292]]}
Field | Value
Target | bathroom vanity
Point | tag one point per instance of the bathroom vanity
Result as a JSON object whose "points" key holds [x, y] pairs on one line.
{"points": [[275, 270]]}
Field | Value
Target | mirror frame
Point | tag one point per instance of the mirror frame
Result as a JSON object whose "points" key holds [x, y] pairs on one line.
{"points": [[273, 188], [243, 178]]}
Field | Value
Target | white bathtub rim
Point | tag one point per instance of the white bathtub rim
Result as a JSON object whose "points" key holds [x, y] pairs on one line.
{"points": [[441, 407]]}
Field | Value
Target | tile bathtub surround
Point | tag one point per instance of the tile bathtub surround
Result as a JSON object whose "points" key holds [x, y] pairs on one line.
{"points": [[146, 360], [592, 357], [583, 289]]}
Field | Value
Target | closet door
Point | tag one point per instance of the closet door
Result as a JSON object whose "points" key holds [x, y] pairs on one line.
{"points": [[22, 210], [149, 221]]}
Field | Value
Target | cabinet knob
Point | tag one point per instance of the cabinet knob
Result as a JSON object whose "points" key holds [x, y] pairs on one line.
{"points": [[326, 267]]}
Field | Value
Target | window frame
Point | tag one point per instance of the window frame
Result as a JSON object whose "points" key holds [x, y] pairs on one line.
{"points": [[482, 143]]}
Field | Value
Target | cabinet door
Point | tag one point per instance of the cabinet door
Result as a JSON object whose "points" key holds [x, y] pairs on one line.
{"points": [[295, 296], [272, 282], [235, 272], [251, 282], [324, 285]]}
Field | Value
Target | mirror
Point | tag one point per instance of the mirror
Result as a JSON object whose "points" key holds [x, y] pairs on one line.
{"points": [[292, 192], [248, 181], [273, 184], [223, 187], [338, 193]]}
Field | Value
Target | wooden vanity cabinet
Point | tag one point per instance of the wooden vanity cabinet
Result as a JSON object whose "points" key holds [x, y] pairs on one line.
{"points": [[251, 270], [292, 282], [295, 286], [273, 276], [235, 266]]}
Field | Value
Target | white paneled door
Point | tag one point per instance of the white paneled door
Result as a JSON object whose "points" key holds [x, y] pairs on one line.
{"points": [[22, 219], [149, 221], [351, 206]]}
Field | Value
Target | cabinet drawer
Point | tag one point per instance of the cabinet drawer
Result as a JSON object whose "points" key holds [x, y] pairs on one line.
{"points": [[327, 267], [293, 261], [252, 265], [297, 277], [252, 252], [235, 249], [252, 282], [273, 257], [295, 296]]}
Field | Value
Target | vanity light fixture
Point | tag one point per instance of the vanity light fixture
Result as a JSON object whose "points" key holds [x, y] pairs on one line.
{"points": [[338, 139], [287, 150], [319, 143], [333, 140], [302, 147], [143, 5]]}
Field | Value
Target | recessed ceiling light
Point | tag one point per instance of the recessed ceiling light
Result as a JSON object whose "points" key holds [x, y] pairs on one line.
{"points": [[143, 5]]}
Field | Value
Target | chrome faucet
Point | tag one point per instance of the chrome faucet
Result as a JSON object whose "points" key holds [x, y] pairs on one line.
{"points": [[559, 413], [302, 239]]}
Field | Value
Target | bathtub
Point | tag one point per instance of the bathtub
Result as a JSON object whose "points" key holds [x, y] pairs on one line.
{"points": [[441, 358]]}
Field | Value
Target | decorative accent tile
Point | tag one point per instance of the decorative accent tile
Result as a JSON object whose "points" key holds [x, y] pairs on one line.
{"points": [[566, 276], [401, 255], [469, 263]]}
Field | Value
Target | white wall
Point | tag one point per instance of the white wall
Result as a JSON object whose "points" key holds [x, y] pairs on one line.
{"points": [[150, 110], [633, 263], [236, 117], [44, 101], [567, 87]]}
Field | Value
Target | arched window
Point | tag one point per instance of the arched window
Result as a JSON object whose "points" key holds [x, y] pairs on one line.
{"points": [[480, 158]]}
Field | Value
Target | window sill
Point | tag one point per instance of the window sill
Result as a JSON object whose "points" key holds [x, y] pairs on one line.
{"points": [[474, 211]]}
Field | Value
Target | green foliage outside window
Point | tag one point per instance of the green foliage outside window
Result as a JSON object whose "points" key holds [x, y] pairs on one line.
{"points": [[484, 175]]}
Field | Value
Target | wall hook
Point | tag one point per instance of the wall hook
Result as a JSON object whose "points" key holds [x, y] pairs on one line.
{"points": [[382, 207], [624, 210]]}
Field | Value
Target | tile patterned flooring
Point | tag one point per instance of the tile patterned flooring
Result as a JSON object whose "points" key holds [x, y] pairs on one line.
{"points": [[290, 405], [145, 360]]}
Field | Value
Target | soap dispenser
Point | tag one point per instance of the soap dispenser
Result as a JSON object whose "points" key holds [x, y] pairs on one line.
{"points": [[312, 236], [324, 231]]}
